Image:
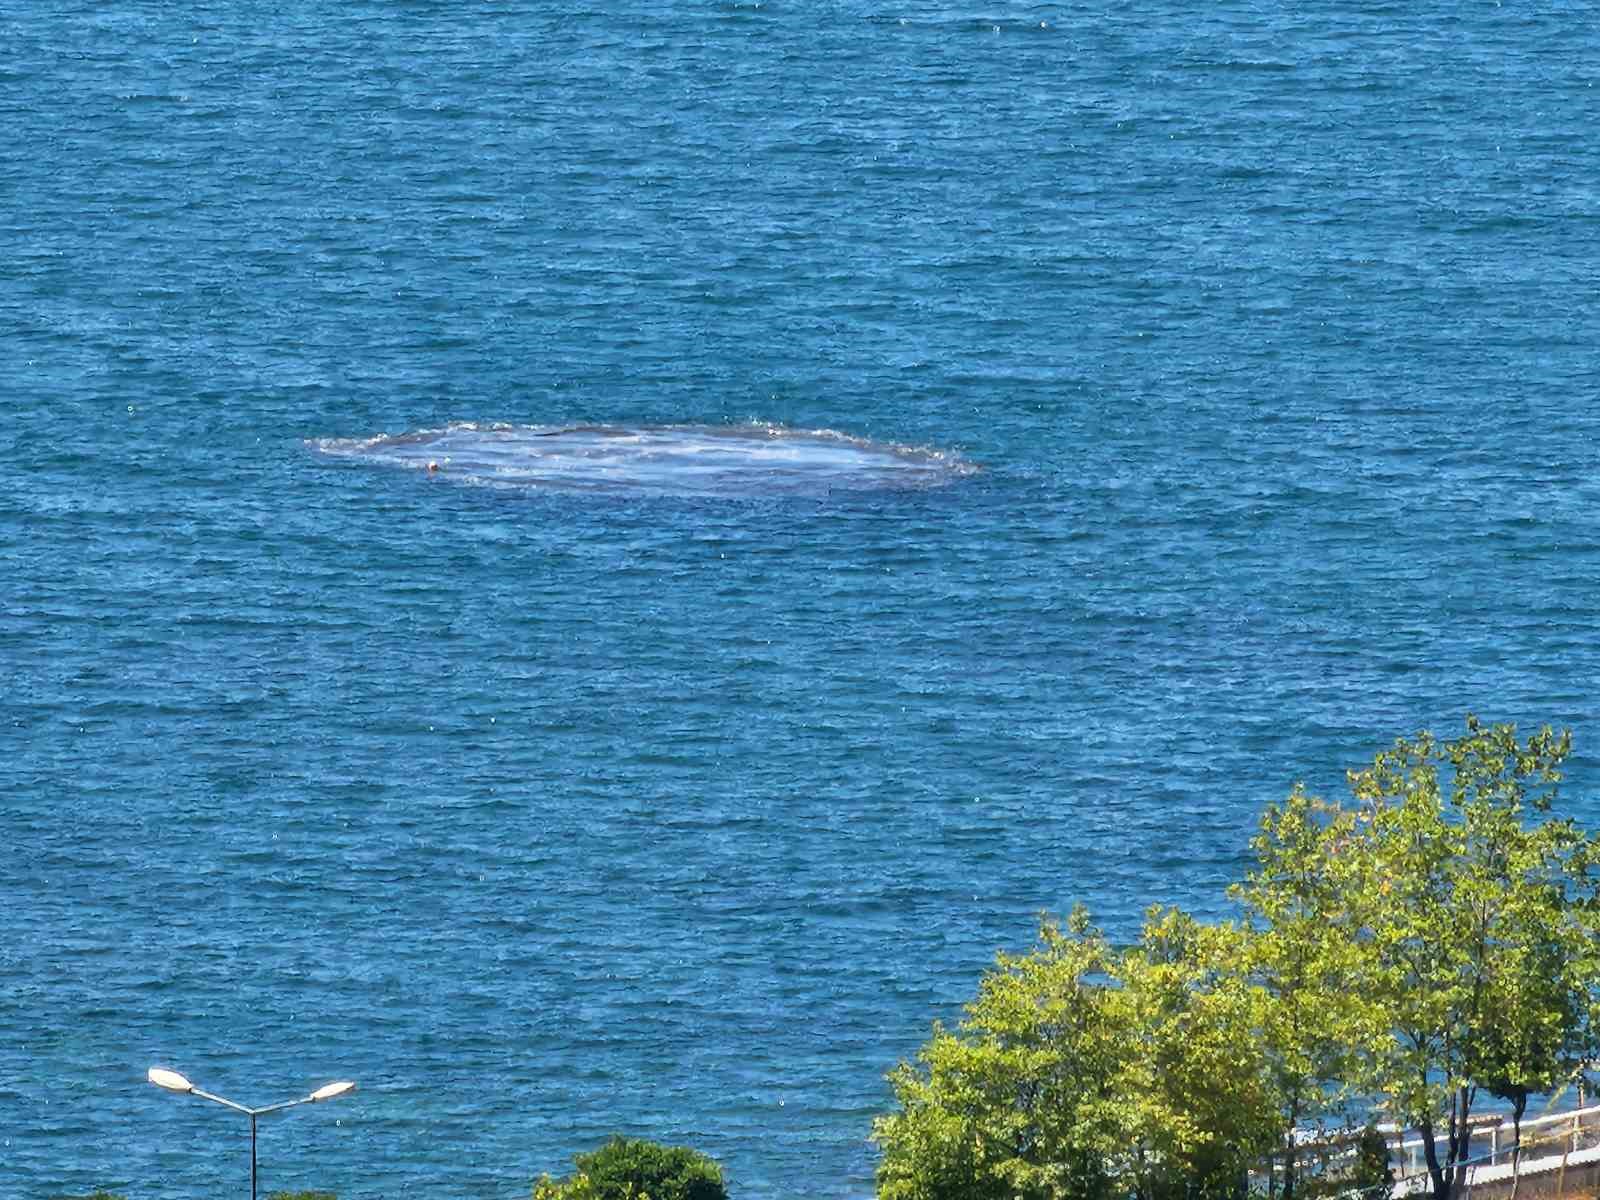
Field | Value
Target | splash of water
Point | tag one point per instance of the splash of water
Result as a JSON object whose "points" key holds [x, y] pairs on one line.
{"points": [[694, 460]]}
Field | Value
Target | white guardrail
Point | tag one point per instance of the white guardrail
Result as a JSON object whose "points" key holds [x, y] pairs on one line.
{"points": [[1552, 1142]]}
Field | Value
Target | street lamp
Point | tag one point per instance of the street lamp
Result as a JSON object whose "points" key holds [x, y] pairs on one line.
{"points": [[174, 1082]]}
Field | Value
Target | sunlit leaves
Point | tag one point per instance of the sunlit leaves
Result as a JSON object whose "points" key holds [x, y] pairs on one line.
{"points": [[1397, 954]]}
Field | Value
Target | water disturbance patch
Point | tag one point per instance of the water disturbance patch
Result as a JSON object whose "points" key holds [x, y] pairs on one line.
{"points": [[689, 460]]}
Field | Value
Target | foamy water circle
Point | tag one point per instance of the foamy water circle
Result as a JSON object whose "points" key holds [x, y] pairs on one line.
{"points": [[676, 459]]}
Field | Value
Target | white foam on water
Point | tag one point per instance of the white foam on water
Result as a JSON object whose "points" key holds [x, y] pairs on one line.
{"points": [[708, 460]]}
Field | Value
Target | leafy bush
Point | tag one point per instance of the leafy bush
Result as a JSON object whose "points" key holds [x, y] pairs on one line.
{"points": [[1372, 1171], [630, 1169]]}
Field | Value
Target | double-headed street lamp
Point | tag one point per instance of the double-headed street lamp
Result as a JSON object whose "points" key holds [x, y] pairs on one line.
{"points": [[174, 1082]]}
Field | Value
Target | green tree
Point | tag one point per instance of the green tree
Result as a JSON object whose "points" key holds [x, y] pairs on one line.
{"points": [[1371, 1173], [1079, 1073], [1020, 1101], [1547, 1047], [635, 1169], [1306, 965], [1434, 939], [1197, 1099], [1459, 890]]}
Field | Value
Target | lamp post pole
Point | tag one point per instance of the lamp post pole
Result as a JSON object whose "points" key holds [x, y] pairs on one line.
{"points": [[175, 1082]]}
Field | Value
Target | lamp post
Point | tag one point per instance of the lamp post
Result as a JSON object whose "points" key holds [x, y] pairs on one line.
{"points": [[174, 1082]]}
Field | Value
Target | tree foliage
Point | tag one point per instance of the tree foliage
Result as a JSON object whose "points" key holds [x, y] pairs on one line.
{"points": [[1472, 912], [1081, 1073], [635, 1169], [1434, 938], [1297, 955], [1019, 1100], [1199, 1094]]}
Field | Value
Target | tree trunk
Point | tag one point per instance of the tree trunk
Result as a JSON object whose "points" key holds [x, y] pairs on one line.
{"points": [[1442, 1184], [1448, 1176], [1519, 1106], [1461, 1138]]}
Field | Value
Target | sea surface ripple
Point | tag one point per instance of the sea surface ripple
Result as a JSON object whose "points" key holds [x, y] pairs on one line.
{"points": [[1266, 339]]}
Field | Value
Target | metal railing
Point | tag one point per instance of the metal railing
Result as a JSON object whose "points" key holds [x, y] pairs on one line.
{"points": [[1549, 1143], [1553, 1135]]}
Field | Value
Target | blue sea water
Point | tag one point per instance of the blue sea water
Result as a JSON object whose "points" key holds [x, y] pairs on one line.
{"points": [[1248, 353]]}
